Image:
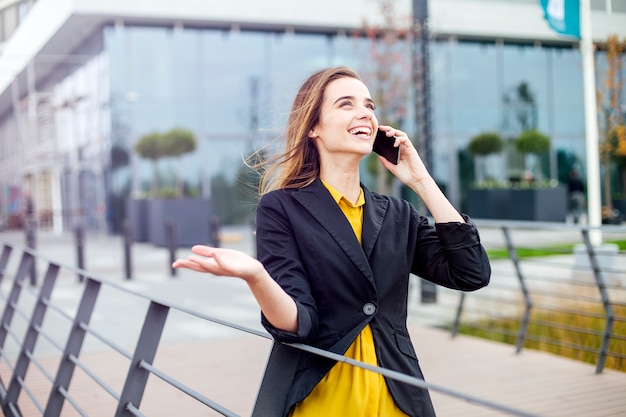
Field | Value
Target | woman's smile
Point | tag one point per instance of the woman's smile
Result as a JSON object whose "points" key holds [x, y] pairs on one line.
{"points": [[363, 132]]}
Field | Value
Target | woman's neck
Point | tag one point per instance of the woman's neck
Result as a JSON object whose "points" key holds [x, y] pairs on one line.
{"points": [[344, 179]]}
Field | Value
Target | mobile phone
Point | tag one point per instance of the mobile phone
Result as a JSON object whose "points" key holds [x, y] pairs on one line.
{"points": [[383, 146]]}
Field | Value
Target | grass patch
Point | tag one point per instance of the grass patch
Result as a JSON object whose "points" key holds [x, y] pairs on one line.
{"points": [[540, 331], [524, 253]]}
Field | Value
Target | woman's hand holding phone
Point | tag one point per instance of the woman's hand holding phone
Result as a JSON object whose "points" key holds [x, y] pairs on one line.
{"points": [[383, 146]]}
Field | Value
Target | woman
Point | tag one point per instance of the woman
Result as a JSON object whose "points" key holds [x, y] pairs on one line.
{"points": [[334, 258]]}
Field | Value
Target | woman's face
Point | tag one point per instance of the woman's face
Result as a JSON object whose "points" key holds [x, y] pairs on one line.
{"points": [[347, 122]]}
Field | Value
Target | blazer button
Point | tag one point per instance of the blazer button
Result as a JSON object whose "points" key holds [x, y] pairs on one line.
{"points": [[369, 309]]}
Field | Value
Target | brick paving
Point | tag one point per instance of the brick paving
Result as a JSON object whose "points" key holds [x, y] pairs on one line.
{"points": [[228, 371]]}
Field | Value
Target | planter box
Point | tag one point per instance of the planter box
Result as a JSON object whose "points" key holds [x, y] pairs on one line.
{"points": [[489, 204], [137, 218], [545, 205], [192, 218], [542, 204]]}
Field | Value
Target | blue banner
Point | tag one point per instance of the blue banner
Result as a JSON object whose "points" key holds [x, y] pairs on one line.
{"points": [[563, 16]]}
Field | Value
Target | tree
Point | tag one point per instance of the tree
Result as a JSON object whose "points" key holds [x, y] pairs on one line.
{"points": [[150, 147], [533, 142], [526, 109], [520, 109], [613, 129], [483, 145], [176, 143], [172, 144], [388, 74]]}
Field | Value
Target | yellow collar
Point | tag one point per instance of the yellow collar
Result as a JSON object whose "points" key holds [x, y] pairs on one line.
{"points": [[337, 196]]}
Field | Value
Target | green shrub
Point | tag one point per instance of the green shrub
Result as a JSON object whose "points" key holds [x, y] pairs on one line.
{"points": [[486, 144], [532, 142]]}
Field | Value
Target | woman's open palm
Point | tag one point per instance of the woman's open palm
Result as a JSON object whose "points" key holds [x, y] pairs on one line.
{"points": [[220, 261]]}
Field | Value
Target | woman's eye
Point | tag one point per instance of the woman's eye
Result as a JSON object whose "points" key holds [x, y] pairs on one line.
{"points": [[345, 103]]}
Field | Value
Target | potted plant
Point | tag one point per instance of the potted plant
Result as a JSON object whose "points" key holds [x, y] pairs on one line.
{"points": [[483, 145], [535, 198], [149, 217], [532, 142], [176, 143], [150, 146], [485, 199]]}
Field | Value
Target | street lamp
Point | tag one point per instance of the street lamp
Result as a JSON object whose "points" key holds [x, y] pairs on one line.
{"points": [[421, 80], [421, 97]]}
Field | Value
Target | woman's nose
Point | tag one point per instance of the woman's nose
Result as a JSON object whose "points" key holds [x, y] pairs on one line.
{"points": [[365, 113]]}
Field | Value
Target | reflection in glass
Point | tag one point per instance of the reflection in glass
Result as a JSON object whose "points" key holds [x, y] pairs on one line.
{"points": [[233, 90]]}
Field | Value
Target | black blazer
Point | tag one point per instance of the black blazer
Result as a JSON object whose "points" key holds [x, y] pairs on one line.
{"points": [[308, 246]]}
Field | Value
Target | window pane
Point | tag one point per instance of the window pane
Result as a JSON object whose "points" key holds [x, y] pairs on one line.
{"points": [[9, 21], [465, 87], [598, 5], [567, 91], [619, 6]]}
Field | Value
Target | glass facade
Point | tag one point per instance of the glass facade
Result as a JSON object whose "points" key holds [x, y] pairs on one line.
{"points": [[481, 87], [233, 90]]}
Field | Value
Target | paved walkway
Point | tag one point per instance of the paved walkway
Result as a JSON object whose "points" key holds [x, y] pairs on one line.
{"points": [[226, 366], [229, 371]]}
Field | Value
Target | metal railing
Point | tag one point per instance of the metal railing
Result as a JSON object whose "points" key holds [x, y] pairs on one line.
{"points": [[14, 389], [520, 287], [580, 289]]}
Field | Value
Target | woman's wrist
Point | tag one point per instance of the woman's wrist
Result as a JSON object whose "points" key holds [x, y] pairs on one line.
{"points": [[256, 275], [420, 185]]}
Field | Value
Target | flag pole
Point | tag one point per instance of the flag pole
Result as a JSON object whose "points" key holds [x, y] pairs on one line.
{"points": [[594, 213]]}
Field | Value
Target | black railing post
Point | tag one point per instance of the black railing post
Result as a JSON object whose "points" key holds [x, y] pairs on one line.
{"points": [[30, 228], [279, 373], [214, 231], [606, 302], [457, 317], [128, 241], [146, 349], [521, 336], [4, 260], [72, 348], [30, 339], [79, 237], [170, 234], [11, 302], [428, 292]]}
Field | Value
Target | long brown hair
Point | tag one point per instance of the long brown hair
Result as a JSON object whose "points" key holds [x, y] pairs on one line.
{"points": [[298, 165]]}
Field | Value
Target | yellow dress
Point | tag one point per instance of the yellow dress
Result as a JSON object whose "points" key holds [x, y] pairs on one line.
{"points": [[349, 390]]}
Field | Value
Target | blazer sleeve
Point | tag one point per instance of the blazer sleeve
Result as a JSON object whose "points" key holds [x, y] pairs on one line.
{"points": [[451, 255], [277, 250]]}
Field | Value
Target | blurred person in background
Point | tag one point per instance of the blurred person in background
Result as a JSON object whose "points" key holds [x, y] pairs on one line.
{"points": [[575, 195]]}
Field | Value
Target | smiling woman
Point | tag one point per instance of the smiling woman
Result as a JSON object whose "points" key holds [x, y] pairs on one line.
{"points": [[344, 133], [334, 259]]}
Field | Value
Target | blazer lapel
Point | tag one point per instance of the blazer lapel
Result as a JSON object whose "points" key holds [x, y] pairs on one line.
{"points": [[373, 215], [318, 201]]}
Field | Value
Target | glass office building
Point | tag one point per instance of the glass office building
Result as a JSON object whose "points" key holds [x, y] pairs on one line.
{"points": [[232, 86]]}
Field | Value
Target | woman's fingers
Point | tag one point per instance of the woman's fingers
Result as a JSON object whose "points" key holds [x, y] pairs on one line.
{"points": [[401, 138], [189, 264], [203, 250]]}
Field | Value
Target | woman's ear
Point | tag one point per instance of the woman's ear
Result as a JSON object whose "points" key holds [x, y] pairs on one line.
{"points": [[312, 134]]}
